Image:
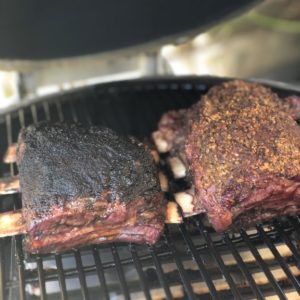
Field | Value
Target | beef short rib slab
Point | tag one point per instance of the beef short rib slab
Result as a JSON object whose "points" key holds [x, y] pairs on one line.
{"points": [[242, 148], [81, 186]]}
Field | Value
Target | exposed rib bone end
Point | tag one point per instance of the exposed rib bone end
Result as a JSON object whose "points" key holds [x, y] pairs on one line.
{"points": [[173, 215], [11, 223], [9, 185], [164, 184], [10, 154], [177, 167], [160, 143], [185, 201], [155, 156]]}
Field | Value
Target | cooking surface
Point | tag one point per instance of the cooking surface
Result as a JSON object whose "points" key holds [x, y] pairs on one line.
{"points": [[189, 260]]}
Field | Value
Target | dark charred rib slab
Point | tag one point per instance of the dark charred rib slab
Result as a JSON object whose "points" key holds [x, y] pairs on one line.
{"points": [[86, 185]]}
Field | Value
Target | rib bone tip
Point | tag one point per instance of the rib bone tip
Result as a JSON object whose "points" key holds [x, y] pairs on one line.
{"points": [[173, 215], [177, 167], [9, 185], [10, 154], [164, 184], [160, 143], [185, 201], [11, 223], [155, 156]]}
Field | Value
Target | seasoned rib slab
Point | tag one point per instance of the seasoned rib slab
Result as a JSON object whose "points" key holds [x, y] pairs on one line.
{"points": [[84, 186], [241, 146], [244, 154]]}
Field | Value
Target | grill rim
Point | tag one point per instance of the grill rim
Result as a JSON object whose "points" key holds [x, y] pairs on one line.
{"points": [[148, 83]]}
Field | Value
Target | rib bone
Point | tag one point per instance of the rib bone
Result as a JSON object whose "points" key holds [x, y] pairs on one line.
{"points": [[11, 223], [185, 201], [161, 144], [155, 156], [177, 167], [10, 154], [9, 185], [164, 184], [173, 215]]}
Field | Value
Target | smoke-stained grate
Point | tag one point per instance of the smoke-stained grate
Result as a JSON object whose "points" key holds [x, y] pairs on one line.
{"points": [[189, 260]]}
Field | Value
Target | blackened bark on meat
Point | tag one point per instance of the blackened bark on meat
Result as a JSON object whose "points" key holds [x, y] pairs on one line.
{"points": [[89, 184], [64, 162]]}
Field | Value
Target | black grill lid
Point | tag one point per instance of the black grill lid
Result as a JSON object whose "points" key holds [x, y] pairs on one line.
{"points": [[55, 29]]}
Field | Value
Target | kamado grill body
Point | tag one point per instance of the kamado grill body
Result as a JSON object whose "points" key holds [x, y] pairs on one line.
{"points": [[190, 261]]}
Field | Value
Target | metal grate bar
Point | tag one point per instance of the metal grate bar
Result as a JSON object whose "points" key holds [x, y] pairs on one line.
{"points": [[18, 239], [9, 138], [219, 260], [59, 111], [87, 115], [160, 273], [61, 277], [243, 268], [288, 241], [263, 265], [2, 266], [20, 266], [34, 113], [100, 273], [21, 117], [296, 222], [140, 271], [182, 273], [2, 278], [73, 112], [46, 110], [41, 277], [8, 129], [120, 272], [278, 257], [84, 289], [33, 110], [202, 269]]}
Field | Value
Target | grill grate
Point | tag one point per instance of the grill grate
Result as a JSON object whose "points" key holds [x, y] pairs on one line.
{"points": [[189, 260]]}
